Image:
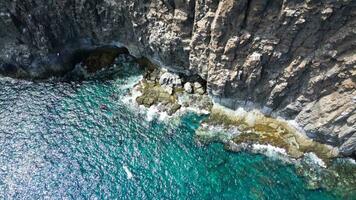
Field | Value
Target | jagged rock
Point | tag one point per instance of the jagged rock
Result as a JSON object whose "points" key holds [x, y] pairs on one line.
{"points": [[153, 76], [326, 13], [200, 91], [170, 79], [197, 85], [173, 109], [198, 88], [348, 148], [169, 89], [146, 101], [188, 88]]}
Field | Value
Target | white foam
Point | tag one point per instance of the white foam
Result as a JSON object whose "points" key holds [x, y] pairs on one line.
{"points": [[351, 161], [239, 112], [272, 152], [269, 150], [130, 99], [314, 159], [253, 116], [193, 109], [151, 113], [249, 116], [13, 80], [154, 113], [128, 172], [163, 116]]}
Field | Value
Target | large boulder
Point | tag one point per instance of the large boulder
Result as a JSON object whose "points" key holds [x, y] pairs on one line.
{"points": [[171, 79]]}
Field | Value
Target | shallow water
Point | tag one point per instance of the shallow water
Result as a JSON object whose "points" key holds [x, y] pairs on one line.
{"points": [[78, 140]]}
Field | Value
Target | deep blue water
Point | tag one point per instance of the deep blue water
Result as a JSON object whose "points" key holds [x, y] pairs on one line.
{"points": [[61, 140]]}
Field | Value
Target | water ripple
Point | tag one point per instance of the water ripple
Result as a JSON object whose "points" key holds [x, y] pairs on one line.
{"points": [[58, 141]]}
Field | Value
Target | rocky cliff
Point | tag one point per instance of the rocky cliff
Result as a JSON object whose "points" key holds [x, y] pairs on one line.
{"points": [[292, 58]]}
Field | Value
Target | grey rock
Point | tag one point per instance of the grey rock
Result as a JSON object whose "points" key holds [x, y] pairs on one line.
{"points": [[197, 85], [200, 91], [198, 88], [348, 148], [173, 109], [170, 79], [169, 89], [188, 88]]}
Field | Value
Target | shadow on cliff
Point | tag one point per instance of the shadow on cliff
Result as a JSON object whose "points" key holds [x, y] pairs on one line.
{"points": [[77, 60]]}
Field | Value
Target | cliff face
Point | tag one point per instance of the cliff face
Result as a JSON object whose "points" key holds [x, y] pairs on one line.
{"points": [[292, 58]]}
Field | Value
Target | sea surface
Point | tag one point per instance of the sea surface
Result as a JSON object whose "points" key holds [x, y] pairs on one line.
{"points": [[80, 140]]}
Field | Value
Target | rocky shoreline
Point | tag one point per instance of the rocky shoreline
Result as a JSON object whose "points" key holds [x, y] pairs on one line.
{"points": [[294, 59], [241, 129], [173, 94], [169, 94], [160, 91]]}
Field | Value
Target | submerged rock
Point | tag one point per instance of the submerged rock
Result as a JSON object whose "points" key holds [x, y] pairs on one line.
{"points": [[339, 177]]}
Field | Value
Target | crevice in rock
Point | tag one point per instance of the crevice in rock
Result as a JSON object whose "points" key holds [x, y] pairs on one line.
{"points": [[17, 22], [93, 59], [246, 14], [97, 58], [171, 4]]}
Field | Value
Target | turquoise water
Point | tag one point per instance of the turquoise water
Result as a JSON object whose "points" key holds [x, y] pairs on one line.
{"points": [[71, 140]]}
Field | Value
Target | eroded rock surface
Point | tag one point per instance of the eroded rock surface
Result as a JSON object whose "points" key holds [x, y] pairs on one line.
{"points": [[292, 58]]}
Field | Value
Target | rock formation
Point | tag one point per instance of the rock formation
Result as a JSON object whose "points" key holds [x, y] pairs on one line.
{"points": [[291, 58]]}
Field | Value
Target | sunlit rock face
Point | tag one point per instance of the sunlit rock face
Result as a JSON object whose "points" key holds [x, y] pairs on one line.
{"points": [[292, 58]]}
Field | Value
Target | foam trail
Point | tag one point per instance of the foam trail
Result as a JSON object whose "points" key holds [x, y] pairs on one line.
{"points": [[128, 172]]}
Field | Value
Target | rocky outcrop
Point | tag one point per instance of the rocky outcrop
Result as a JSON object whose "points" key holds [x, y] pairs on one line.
{"points": [[290, 58], [167, 93]]}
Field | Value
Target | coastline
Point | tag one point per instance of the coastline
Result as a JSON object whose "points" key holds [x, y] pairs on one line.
{"points": [[228, 123], [221, 121], [329, 173], [320, 172]]}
